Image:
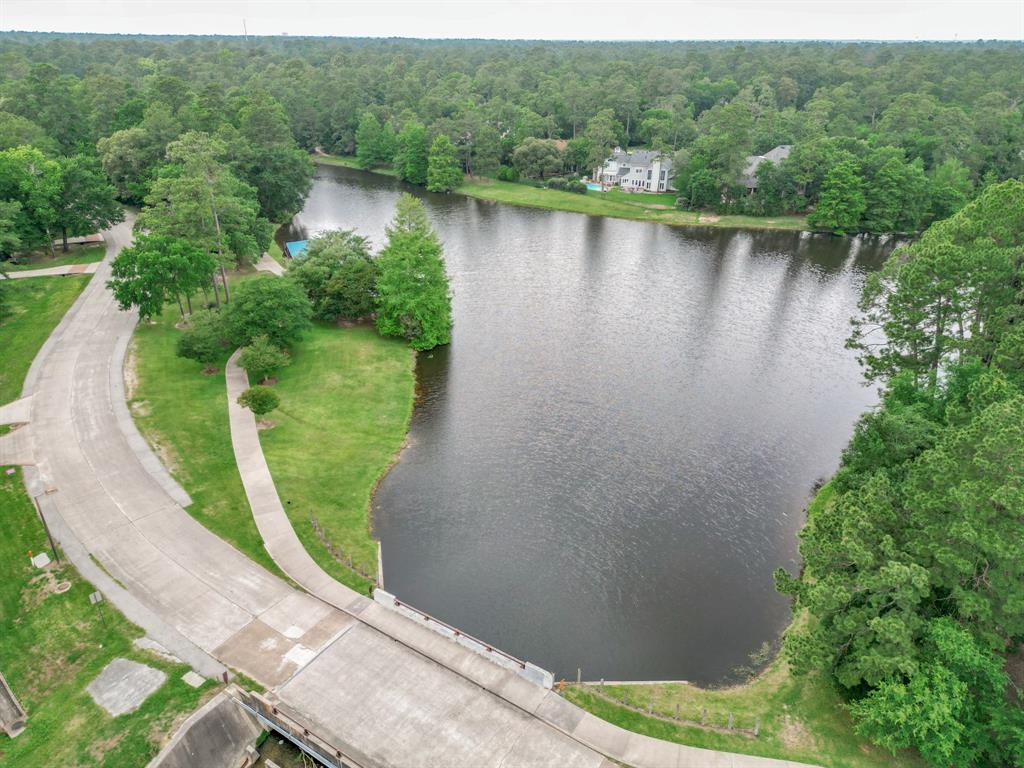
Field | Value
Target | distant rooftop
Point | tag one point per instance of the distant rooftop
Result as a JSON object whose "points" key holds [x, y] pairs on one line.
{"points": [[776, 155], [297, 248]]}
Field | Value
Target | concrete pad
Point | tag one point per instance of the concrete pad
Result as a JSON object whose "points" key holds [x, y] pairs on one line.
{"points": [[17, 411], [124, 685], [560, 712], [262, 652], [191, 678], [149, 644], [16, 447]]}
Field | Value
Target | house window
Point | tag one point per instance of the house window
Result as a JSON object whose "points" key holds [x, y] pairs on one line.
{"points": [[648, 175], [663, 175]]}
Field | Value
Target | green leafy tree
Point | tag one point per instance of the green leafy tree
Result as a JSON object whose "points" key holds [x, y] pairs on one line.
{"points": [[895, 198], [18, 131], [267, 306], [260, 400], [414, 302], [10, 241], [32, 180], [954, 710], [602, 132], [537, 158], [443, 171], [376, 144], [338, 275], [951, 187], [261, 358], [158, 269], [411, 158], [269, 159], [200, 200], [842, 200], [205, 339], [85, 203]]}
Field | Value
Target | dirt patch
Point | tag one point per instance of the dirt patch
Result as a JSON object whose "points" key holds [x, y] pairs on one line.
{"points": [[708, 218], [98, 749], [131, 372], [269, 381], [210, 370], [795, 734], [263, 424], [40, 587], [140, 408]]}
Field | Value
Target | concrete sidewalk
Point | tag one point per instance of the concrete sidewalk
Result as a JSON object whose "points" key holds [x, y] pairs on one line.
{"points": [[66, 269]]}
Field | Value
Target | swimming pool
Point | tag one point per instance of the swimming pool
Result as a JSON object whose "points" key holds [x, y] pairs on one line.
{"points": [[595, 187]]}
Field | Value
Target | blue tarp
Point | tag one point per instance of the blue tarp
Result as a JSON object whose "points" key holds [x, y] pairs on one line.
{"points": [[297, 248]]}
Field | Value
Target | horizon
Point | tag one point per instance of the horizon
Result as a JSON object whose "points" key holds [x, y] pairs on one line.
{"points": [[785, 21]]}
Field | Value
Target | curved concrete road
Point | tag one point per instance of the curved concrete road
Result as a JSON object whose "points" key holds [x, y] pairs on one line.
{"points": [[385, 690]]}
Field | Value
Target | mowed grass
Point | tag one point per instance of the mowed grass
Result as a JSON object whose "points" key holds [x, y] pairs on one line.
{"points": [[183, 413], [349, 161], [53, 645], [638, 206], [78, 254], [802, 718], [346, 400], [35, 305]]}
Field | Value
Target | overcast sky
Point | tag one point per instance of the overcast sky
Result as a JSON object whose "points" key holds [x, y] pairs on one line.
{"points": [[533, 19]]}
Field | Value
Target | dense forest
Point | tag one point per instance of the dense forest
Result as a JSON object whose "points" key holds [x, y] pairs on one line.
{"points": [[886, 137]]}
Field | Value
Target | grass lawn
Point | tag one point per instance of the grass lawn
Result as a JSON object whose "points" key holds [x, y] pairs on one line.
{"points": [[53, 645], [349, 161], [183, 413], [78, 254], [801, 718], [346, 400], [639, 206], [35, 306]]}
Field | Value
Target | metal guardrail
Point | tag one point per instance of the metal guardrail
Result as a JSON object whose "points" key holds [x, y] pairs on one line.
{"points": [[459, 633]]}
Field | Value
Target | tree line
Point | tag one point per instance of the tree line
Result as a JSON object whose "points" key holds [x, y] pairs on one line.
{"points": [[864, 119], [914, 564]]}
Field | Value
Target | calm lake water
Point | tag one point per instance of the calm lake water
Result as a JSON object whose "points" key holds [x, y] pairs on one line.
{"points": [[615, 452]]}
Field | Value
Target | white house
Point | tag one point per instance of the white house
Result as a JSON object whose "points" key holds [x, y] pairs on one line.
{"points": [[640, 170]]}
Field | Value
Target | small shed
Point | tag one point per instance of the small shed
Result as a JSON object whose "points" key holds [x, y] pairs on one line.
{"points": [[297, 248]]}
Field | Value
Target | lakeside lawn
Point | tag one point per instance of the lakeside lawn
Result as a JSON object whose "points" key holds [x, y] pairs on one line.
{"points": [[78, 254], [346, 400], [35, 306], [637, 206], [53, 645], [345, 404], [802, 718]]}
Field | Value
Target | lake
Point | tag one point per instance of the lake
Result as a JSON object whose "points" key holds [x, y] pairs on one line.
{"points": [[617, 449]]}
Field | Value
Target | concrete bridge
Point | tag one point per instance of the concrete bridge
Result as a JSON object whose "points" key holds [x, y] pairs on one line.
{"points": [[373, 685]]}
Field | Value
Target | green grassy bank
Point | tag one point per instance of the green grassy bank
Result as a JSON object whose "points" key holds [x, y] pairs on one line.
{"points": [[345, 405], [35, 306], [638, 206], [800, 718]]}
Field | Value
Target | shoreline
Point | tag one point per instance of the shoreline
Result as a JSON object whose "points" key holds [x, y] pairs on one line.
{"points": [[627, 207]]}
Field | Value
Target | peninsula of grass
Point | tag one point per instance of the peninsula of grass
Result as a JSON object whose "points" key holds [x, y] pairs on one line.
{"points": [[35, 305], [78, 254], [183, 414], [52, 645], [346, 400], [637, 206], [800, 718]]}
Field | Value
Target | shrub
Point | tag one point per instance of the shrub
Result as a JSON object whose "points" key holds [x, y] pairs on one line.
{"points": [[338, 275], [507, 173], [260, 400], [261, 357], [267, 306], [204, 341]]}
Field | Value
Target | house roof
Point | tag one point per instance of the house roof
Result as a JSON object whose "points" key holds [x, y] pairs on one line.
{"points": [[641, 158], [780, 152]]}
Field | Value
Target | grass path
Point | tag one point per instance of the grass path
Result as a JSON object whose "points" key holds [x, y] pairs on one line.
{"points": [[615, 203], [36, 305]]}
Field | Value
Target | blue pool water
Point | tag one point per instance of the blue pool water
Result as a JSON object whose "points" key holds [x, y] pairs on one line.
{"points": [[596, 187]]}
